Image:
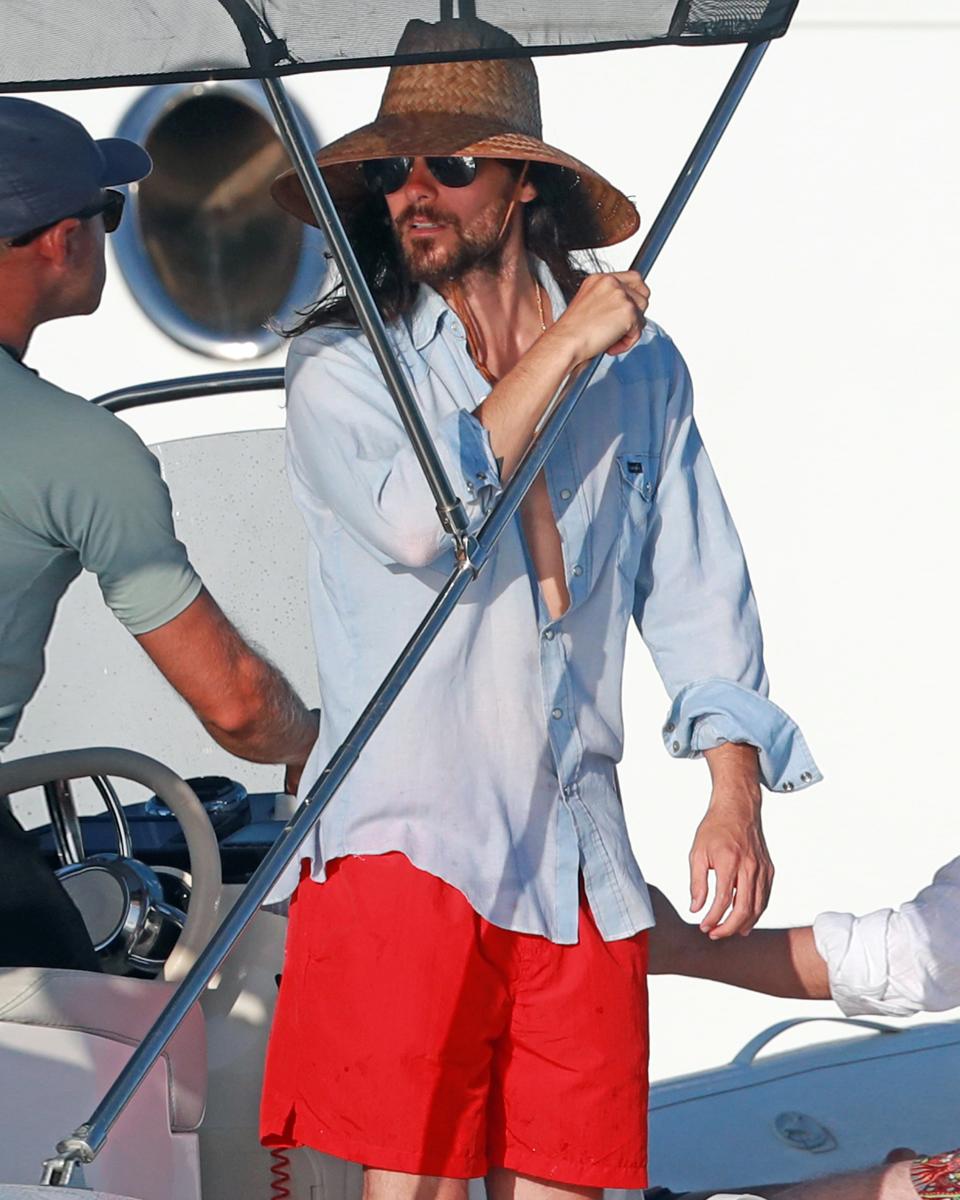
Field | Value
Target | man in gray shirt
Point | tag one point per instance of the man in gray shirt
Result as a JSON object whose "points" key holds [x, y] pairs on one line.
{"points": [[79, 490]]}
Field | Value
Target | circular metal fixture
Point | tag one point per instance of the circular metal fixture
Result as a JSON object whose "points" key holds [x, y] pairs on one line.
{"points": [[804, 1132], [205, 251]]}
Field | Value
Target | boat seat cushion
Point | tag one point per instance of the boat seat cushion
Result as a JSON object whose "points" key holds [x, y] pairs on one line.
{"points": [[121, 1010]]}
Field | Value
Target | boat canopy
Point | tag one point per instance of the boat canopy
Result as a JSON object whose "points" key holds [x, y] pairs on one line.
{"points": [[61, 44]]}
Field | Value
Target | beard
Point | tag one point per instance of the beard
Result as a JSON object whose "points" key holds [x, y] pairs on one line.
{"points": [[478, 247]]}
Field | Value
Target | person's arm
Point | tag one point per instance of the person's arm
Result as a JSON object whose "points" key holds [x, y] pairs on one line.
{"points": [[729, 840], [777, 962], [605, 316], [347, 447], [102, 492], [243, 701], [893, 1181], [694, 607]]}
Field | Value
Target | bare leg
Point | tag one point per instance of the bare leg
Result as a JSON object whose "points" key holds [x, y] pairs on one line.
{"points": [[890, 1182], [508, 1185], [395, 1185]]}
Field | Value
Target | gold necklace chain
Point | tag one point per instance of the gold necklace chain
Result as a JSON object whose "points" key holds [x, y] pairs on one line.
{"points": [[543, 322]]}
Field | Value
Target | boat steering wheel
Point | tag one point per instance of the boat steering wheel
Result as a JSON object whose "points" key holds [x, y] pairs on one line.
{"points": [[131, 922]]}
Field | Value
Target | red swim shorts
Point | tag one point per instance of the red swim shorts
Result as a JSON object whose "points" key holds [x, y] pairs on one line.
{"points": [[412, 1035]]}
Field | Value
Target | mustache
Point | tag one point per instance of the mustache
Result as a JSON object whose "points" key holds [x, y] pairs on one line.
{"points": [[420, 212]]}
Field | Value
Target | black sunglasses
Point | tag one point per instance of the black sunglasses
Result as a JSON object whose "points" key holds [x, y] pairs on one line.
{"points": [[109, 206], [390, 174]]}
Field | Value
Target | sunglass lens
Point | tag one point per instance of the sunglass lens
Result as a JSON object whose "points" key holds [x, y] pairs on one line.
{"points": [[454, 172], [386, 174], [113, 210]]}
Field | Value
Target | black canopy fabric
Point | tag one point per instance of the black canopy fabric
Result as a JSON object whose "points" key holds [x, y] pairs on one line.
{"points": [[60, 44]]}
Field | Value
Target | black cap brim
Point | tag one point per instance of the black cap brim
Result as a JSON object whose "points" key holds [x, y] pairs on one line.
{"points": [[124, 161]]}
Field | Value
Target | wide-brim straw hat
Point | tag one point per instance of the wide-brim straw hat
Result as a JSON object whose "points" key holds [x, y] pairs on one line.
{"points": [[488, 108]]}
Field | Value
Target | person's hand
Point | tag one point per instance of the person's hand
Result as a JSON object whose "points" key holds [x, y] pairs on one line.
{"points": [[606, 314], [291, 778], [729, 842]]}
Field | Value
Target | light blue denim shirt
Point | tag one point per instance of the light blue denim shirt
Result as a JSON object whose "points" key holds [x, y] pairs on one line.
{"points": [[496, 768]]}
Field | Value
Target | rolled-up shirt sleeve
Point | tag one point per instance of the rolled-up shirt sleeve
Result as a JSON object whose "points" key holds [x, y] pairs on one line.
{"points": [[897, 962], [347, 447], [705, 715], [695, 608]]}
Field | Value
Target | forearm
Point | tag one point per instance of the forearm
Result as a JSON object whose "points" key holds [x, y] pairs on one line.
{"points": [[776, 962], [242, 700], [890, 1182], [269, 723], [735, 776], [512, 410]]}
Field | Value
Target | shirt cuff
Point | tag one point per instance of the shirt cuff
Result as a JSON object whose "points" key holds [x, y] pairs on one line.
{"points": [[716, 711], [855, 951], [465, 444]]}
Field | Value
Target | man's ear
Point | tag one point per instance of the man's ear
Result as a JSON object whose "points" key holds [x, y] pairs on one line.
{"points": [[528, 192], [60, 245]]}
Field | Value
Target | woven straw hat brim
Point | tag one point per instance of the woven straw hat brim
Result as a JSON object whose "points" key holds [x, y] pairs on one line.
{"points": [[594, 213]]}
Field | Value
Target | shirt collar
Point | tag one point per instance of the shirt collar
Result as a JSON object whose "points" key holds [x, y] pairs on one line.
{"points": [[428, 311], [430, 308]]}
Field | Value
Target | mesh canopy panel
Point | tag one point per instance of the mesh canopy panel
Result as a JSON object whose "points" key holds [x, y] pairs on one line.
{"points": [[49, 44]]}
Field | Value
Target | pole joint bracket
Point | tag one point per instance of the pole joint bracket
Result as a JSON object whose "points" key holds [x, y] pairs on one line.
{"points": [[453, 518], [71, 1153]]}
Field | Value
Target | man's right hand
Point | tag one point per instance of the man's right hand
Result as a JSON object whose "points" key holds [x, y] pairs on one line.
{"points": [[605, 316], [291, 779]]}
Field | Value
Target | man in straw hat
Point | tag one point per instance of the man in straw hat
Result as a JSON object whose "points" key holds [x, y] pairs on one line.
{"points": [[465, 994]]}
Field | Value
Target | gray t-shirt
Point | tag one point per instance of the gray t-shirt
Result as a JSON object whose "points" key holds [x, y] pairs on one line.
{"points": [[78, 489]]}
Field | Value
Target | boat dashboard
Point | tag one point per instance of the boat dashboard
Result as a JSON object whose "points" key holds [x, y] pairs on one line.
{"points": [[245, 825]]}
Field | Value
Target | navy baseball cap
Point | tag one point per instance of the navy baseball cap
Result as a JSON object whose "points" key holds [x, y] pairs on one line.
{"points": [[50, 167]]}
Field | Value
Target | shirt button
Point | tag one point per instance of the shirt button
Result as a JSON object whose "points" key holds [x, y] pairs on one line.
{"points": [[578, 570], [557, 714], [676, 747], [788, 786], [456, 330], [548, 634], [806, 777], [565, 493], [481, 475], [669, 728]]}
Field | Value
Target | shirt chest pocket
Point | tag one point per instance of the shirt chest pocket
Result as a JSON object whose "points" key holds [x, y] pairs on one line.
{"points": [[637, 482]]}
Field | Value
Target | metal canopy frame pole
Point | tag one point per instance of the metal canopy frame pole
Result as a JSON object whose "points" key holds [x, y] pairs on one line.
{"points": [[87, 1141], [265, 51], [452, 514]]}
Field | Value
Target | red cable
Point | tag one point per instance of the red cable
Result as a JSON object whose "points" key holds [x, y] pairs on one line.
{"points": [[280, 1170]]}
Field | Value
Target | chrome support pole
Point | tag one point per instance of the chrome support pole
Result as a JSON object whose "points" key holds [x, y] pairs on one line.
{"points": [[64, 822], [563, 404], [452, 514], [88, 1139], [700, 155]]}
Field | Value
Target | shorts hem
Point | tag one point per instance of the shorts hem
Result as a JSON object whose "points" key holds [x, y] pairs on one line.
{"points": [[381, 1158], [578, 1174]]}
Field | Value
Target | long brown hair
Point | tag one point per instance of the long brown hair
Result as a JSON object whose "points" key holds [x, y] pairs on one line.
{"points": [[370, 230]]}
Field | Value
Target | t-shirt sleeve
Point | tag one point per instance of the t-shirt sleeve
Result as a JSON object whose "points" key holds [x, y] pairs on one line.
{"points": [[108, 501]]}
